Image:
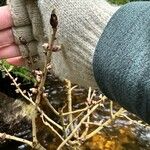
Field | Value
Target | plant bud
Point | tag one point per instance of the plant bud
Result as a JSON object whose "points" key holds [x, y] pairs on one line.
{"points": [[22, 41], [45, 46], [45, 95], [53, 20], [33, 90], [38, 72], [17, 90], [38, 78], [56, 48]]}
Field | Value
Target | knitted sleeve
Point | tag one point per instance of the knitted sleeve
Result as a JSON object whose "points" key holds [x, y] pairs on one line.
{"points": [[122, 59]]}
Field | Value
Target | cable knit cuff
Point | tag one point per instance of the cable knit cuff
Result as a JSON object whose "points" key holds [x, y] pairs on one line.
{"points": [[19, 12], [27, 26]]}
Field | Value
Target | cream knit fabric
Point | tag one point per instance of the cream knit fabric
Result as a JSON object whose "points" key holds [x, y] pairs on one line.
{"points": [[28, 25], [81, 22]]}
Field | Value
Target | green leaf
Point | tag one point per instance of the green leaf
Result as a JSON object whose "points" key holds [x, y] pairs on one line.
{"points": [[22, 72]]}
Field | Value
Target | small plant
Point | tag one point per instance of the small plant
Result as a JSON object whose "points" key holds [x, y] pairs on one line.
{"points": [[75, 125], [24, 73]]}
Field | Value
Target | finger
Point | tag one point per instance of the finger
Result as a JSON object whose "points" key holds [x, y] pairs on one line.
{"points": [[6, 37], [9, 52], [19, 61], [6, 20]]}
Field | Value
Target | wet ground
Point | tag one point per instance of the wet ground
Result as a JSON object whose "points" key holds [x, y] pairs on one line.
{"points": [[122, 134]]}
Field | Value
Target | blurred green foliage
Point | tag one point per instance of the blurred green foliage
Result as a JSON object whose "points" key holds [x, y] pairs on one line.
{"points": [[120, 2], [21, 72], [2, 2]]}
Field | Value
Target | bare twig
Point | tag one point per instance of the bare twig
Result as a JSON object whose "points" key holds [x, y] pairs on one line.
{"points": [[133, 121], [89, 101], [77, 127], [34, 130], [51, 107], [54, 23], [63, 120], [51, 127], [31, 101], [86, 127], [111, 109], [76, 111], [94, 123], [69, 100], [81, 111], [43, 76], [118, 113], [10, 137], [75, 119], [50, 120]]}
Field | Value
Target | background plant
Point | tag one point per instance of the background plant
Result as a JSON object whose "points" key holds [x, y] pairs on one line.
{"points": [[2, 2]]}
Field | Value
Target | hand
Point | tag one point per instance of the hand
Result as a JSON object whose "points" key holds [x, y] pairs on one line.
{"points": [[8, 49]]}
